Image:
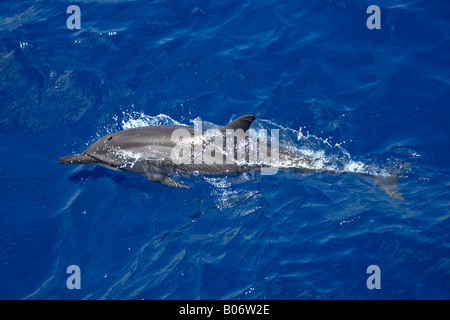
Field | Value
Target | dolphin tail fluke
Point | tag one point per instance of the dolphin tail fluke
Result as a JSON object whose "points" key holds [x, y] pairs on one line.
{"points": [[163, 179]]}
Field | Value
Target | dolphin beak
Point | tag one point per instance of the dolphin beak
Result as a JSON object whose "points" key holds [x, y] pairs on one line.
{"points": [[77, 159]]}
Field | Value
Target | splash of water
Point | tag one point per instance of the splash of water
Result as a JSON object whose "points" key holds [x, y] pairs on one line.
{"points": [[323, 155], [139, 119]]}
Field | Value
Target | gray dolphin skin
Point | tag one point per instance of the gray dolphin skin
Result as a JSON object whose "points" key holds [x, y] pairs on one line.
{"points": [[152, 152], [149, 152]]}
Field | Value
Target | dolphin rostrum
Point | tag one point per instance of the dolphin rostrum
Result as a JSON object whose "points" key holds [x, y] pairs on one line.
{"points": [[160, 152]]}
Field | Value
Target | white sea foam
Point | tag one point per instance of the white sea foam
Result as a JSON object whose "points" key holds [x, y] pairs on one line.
{"points": [[139, 119], [315, 153]]}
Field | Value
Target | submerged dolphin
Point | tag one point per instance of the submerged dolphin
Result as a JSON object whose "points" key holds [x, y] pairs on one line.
{"points": [[149, 151]]}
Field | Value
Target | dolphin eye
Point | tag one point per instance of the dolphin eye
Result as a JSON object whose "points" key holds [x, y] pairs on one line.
{"points": [[109, 138]]}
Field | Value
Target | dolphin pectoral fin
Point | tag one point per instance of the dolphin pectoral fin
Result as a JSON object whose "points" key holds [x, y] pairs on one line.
{"points": [[163, 179], [243, 123]]}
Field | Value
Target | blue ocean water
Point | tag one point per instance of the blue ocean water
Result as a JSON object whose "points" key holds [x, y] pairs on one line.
{"points": [[358, 98]]}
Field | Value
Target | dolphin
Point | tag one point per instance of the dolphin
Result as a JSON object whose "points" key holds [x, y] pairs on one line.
{"points": [[149, 151]]}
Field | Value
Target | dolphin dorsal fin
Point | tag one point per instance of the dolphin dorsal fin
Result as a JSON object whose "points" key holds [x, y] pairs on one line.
{"points": [[243, 123]]}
